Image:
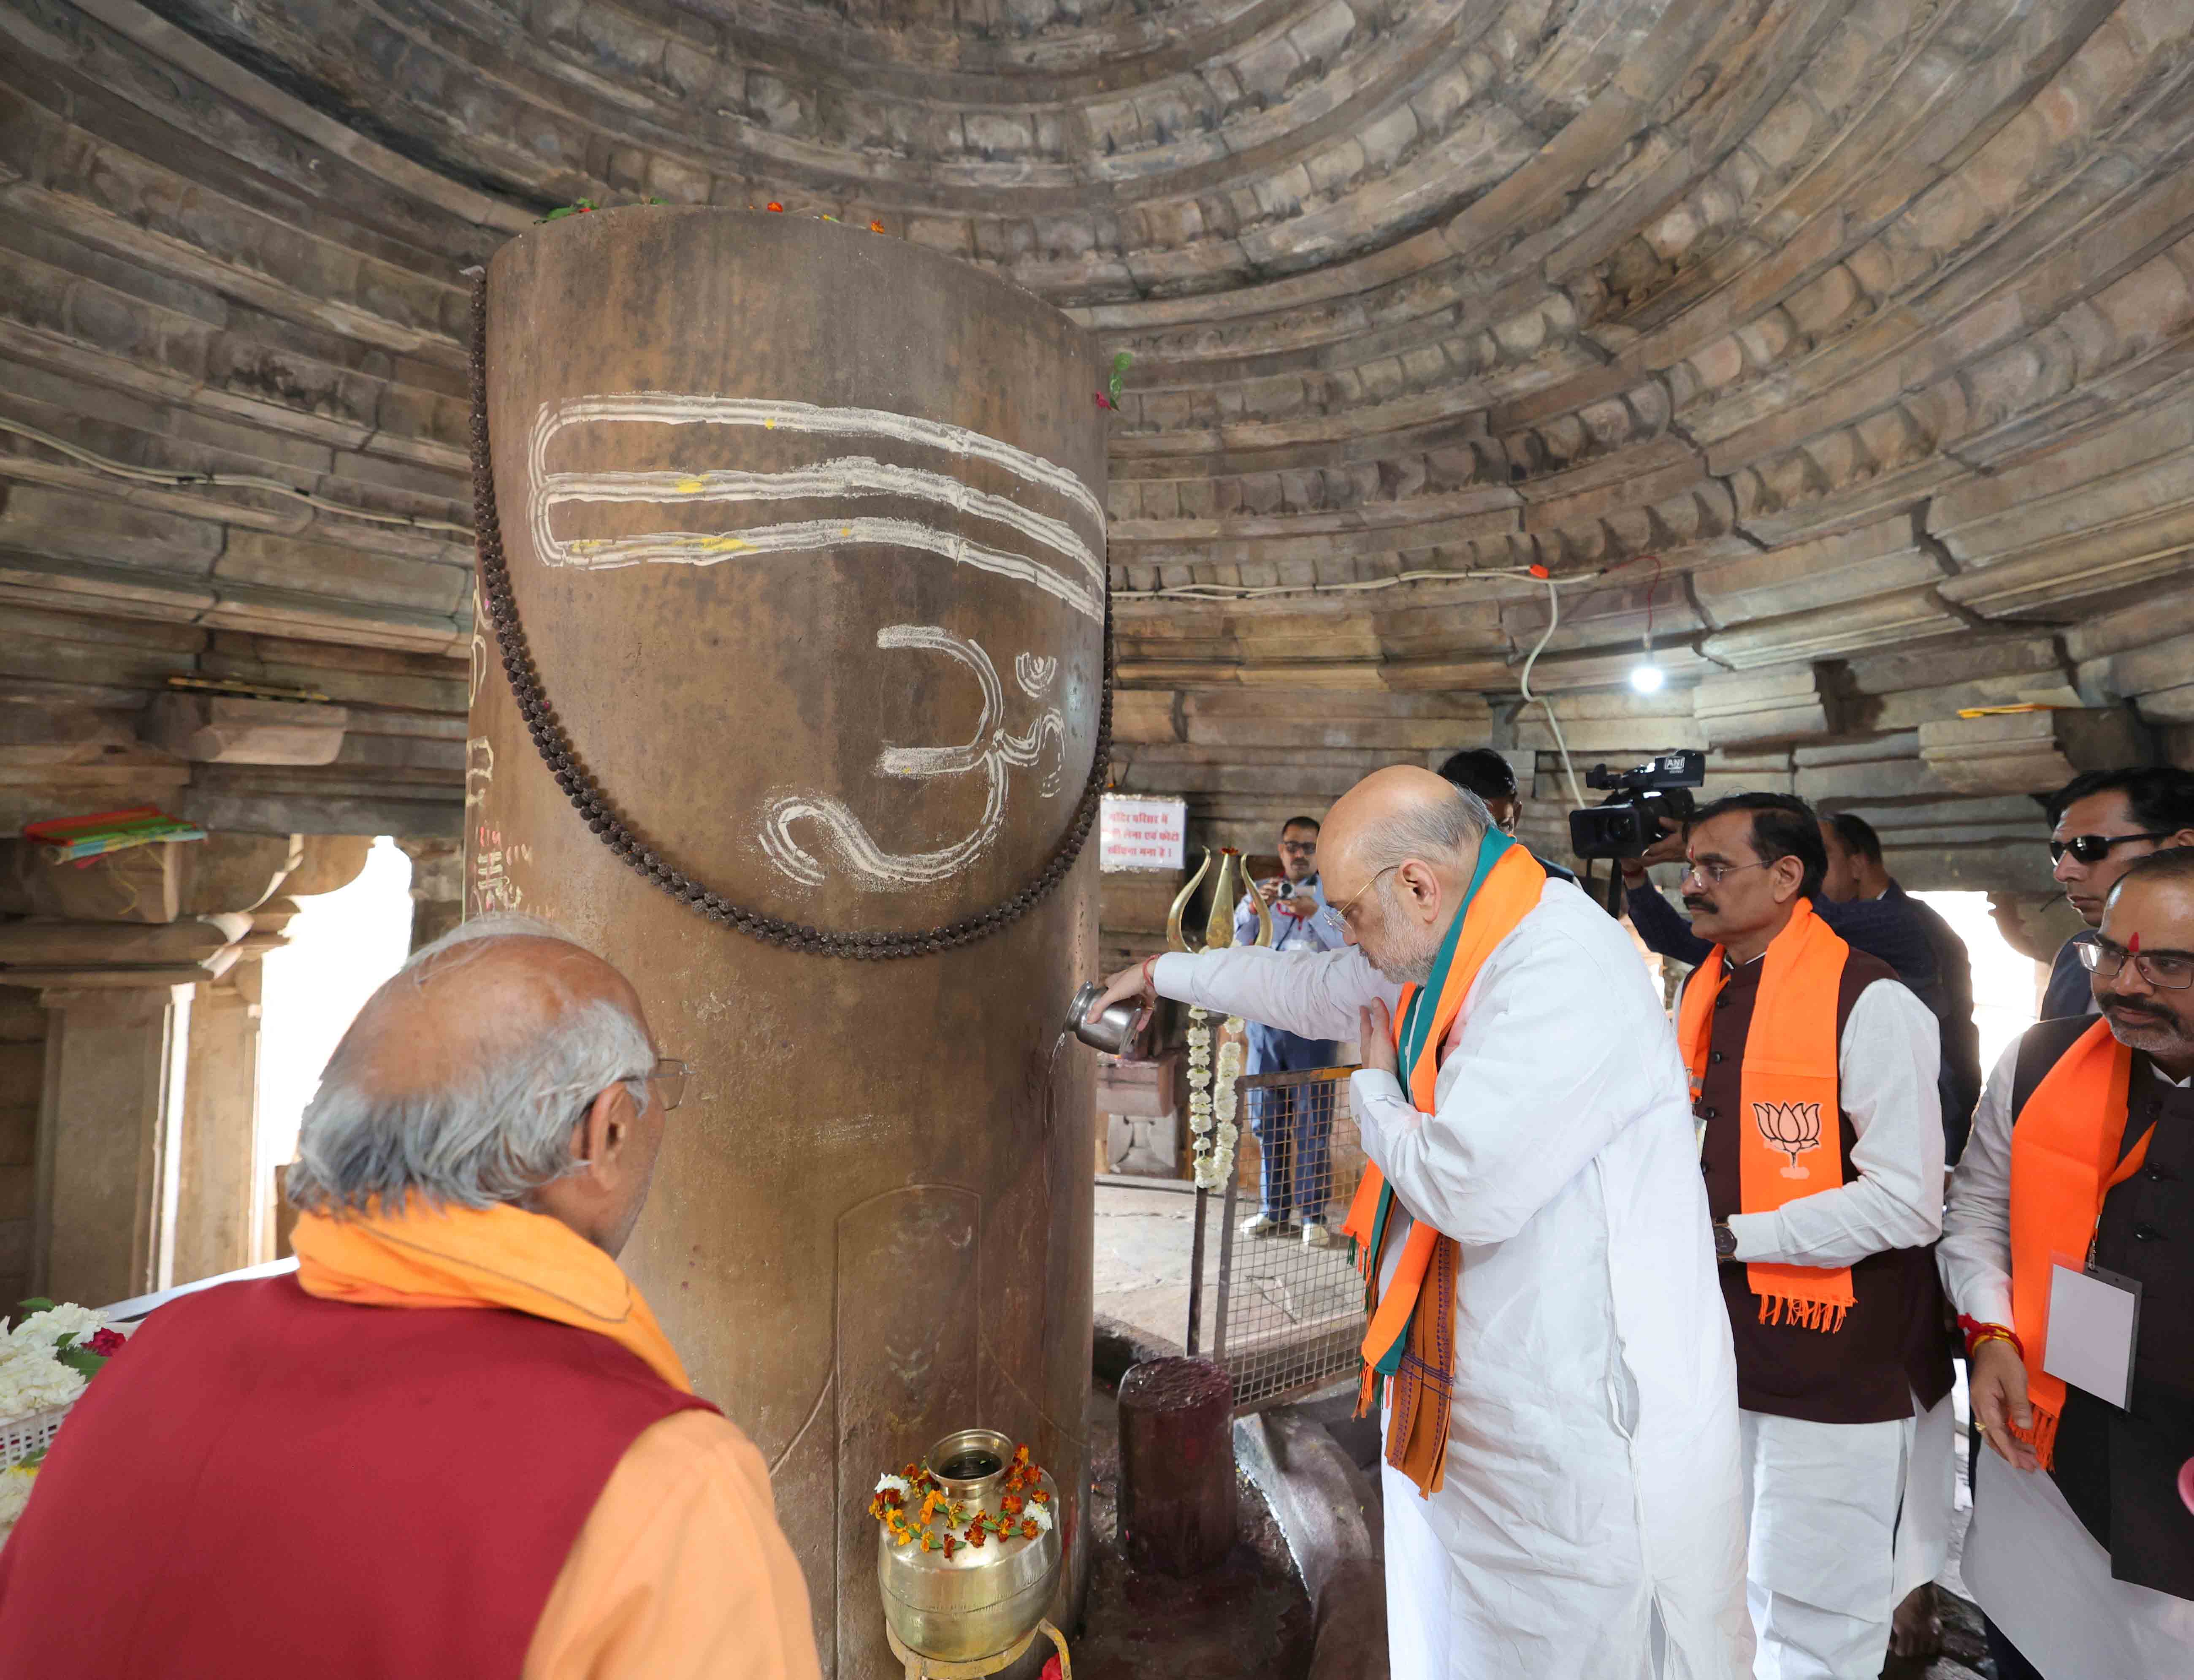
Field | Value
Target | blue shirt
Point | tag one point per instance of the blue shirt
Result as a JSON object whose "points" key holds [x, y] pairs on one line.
{"points": [[1321, 932]]}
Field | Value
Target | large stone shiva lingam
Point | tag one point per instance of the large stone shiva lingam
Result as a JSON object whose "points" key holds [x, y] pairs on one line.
{"points": [[967, 1551]]}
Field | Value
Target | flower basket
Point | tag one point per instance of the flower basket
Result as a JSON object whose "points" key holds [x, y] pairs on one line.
{"points": [[32, 1433]]}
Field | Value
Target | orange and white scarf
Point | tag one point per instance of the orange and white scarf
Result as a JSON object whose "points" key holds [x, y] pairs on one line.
{"points": [[1411, 1339], [1790, 1135]]}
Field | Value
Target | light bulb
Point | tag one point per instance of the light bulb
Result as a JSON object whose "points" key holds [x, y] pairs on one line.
{"points": [[1647, 677]]}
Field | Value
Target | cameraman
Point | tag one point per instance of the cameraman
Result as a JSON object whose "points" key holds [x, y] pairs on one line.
{"points": [[1294, 1166], [1890, 928]]}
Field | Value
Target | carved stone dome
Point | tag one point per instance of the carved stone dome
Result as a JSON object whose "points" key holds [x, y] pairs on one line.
{"points": [[1838, 349]]}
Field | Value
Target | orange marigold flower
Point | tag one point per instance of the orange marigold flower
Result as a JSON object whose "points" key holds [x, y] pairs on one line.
{"points": [[774, 205], [928, 1543], [976, 1535], [1029, 1530], [875, 227], [1021, 1453], [950, 1542], [1041, 1496], [1011, 1505]]}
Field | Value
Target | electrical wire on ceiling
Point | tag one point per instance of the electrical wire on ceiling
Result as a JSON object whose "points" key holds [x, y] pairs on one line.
{"points": [[122, 469], [1536, 574], [1225, 592], [1554, 617]]}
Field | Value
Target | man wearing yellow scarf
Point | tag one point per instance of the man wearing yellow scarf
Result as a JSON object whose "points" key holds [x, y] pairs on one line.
{"points": [[1547, 1344], [455, 1443]]}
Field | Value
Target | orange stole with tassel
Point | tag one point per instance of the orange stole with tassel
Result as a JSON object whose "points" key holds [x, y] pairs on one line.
{"points": [[1411, 1339]]}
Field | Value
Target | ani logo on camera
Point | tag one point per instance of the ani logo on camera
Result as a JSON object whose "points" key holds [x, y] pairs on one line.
{"points": [[1795, 1128]]}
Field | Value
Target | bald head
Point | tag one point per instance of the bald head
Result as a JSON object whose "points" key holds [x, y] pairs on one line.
{"points": [[470, 998], [1399, 851], [504, 1063], [1398, 811]]}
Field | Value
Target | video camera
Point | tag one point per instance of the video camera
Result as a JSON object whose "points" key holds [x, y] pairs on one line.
{"points": [[1629, 820]]}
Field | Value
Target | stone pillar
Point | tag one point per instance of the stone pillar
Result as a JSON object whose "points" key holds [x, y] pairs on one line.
{"points": [[108, 1129], [806, 528], [438, 888], [216, 1201], [22, 1087]]}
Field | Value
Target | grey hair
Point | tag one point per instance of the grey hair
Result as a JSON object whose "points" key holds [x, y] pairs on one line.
{"points": [[1434, 829], [496, 1134]]}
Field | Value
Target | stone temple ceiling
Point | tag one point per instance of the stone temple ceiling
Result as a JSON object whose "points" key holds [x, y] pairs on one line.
{"points": [[1788, 334]]}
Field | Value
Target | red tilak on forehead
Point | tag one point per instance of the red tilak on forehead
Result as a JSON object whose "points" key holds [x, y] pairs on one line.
{"points": [[2135, 946]]}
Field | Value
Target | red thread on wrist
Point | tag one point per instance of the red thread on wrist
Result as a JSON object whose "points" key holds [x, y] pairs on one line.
{"points": [[1977, 1333]]}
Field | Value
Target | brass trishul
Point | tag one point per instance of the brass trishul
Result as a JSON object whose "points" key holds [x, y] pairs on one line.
{"points": [[1219, 925]]}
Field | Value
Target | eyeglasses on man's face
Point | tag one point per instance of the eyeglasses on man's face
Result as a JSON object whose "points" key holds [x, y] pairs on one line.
{"points": [[1713, 873], [667, 1078], [1348, 911], [2165, 970], [1301, 848], [2094, 848]]}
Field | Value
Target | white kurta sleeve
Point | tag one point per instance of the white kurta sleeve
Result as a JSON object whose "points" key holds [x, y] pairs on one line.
{"points": [[1536, 1085], [1886, 1067], [1311, 994], [1975, 1255]]}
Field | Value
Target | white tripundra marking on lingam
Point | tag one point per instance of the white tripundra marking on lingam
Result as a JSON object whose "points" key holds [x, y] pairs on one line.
{"points": [[1064, 565], [1034, 674], [990, 750]]}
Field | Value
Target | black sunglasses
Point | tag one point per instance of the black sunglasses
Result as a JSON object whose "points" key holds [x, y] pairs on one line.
{"points": [[2094, 848]]}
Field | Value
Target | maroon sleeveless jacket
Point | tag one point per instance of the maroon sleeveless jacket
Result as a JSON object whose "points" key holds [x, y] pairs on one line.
{"points": [[1893, 1343], [264, 1483]]}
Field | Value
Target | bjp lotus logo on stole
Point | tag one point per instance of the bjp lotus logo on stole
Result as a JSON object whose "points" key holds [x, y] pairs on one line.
{"points": [[1795, 1128]]}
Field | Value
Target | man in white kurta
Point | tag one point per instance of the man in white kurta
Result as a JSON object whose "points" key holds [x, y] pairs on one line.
{"points": [[1588, 1527], [1847, 1429]]}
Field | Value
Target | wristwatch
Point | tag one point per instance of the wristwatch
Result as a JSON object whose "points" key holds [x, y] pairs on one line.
{"points": [[1725, 1242]]}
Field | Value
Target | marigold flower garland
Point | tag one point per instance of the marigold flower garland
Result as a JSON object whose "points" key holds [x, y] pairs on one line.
{"points": [[1211, 1098], [910, 1504]]}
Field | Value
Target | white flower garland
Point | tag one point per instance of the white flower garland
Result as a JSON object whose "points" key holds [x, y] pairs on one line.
{"points": [[1210, 1097], [14, 1493], [31, 1380]]}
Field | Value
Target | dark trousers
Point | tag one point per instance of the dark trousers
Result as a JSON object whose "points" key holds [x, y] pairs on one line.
{"points": [[1294, 1127]]}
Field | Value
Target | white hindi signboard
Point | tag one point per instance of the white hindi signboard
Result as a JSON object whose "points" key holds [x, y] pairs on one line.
{"points": [[1141, 833]]}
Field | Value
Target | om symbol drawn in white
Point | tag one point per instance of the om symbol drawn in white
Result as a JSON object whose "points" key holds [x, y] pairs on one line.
{"points": [[991, 750], [1046, 536]]}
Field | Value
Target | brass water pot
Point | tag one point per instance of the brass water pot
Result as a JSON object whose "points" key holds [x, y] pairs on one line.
{"points": [[984, 1599]]}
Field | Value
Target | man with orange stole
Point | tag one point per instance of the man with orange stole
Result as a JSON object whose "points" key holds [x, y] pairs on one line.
{"points": [[456, 1442], [1813, 1074], [2069, 1250], [1560, 1477]]}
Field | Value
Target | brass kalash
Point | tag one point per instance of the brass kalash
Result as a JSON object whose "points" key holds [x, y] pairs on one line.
{"points": [[959, 1610]]}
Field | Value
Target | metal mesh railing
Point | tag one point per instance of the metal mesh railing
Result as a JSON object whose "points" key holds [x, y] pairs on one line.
{"points": [[1288, 1318]]}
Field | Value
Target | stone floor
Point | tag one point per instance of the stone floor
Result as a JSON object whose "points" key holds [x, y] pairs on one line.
{"points": [[1146, 1230], [1248, 1620]]}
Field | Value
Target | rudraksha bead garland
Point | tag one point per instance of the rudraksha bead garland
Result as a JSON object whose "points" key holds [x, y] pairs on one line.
{"points": [[595, 808]]}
